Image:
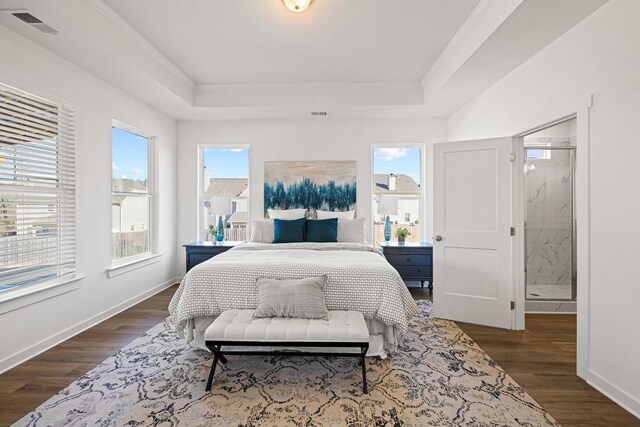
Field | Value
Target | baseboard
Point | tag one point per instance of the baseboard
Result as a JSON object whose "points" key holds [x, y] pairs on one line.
{"points": [[625, 400], [44, 345]]}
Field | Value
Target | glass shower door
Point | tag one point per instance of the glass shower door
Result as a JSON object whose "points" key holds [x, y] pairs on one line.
{"points": [[550, 223]]}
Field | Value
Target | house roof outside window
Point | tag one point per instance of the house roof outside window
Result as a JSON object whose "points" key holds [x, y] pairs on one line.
{"points": [[404, 185], [229, 187]]}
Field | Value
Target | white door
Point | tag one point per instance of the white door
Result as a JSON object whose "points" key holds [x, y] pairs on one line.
{"points": [[473, 271]]}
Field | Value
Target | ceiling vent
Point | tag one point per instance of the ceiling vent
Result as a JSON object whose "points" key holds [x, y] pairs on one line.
{"points": [[36, 23], [319, 113]]}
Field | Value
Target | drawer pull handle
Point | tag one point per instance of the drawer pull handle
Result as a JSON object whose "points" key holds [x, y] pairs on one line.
{"points": [[408, 260]]}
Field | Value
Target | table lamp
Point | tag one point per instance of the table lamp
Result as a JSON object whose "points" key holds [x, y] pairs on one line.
{"points": [[221, 206], [387, 205]]}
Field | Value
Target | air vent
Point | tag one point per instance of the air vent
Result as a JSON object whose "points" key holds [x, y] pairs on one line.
{"points": [[36, 23], [319, 113], [27, 17]]}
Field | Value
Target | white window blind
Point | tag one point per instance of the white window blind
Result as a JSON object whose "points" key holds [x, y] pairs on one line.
{"points": [[37, 189]]}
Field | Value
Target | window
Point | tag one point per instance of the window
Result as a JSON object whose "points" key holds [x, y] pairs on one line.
{"points": [[537, 153], [131, 194], [37, 189], [397, 175], [224, 192]]}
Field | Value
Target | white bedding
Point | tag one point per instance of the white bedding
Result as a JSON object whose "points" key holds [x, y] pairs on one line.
{"points": [[360, 279]]}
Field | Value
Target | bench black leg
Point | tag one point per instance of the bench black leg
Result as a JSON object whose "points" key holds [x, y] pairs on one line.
{"points": [[363, 362], [216, 355]]}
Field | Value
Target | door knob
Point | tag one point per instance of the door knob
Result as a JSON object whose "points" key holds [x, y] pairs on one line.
{"points": [[438, 238]]}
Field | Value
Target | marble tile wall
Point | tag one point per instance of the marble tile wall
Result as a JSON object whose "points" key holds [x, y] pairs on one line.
{"points": [[549, 222]]}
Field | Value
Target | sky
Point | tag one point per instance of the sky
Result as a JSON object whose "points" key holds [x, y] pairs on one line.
{"points": [[227, 162], [397, 161], [130, 159], [129, 155]]}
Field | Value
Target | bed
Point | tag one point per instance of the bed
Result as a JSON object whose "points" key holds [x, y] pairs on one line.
{"points": [[360, 279]]}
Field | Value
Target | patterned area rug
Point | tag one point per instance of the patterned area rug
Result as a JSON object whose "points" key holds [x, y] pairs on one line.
{"points": [[439, 377]]}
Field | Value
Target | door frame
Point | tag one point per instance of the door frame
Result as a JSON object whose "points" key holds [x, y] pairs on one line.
{"points": [[583, 227], [518, 198]]}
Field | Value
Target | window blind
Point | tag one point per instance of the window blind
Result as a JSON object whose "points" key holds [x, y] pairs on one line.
{"points": [[37, 189]]}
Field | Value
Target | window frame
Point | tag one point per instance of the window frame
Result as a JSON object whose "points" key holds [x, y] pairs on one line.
{"points": [[423, 185], [38, 290], [151, 195], [200, 183]]}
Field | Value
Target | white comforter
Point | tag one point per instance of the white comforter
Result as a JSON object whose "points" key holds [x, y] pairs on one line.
{"points": [[360, 279]]}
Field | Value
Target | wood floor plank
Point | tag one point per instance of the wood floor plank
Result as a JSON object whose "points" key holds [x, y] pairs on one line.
{"points": [[541, 359]]}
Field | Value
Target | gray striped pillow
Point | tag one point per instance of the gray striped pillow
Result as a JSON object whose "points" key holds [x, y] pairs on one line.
{"points": [[302, 298]]}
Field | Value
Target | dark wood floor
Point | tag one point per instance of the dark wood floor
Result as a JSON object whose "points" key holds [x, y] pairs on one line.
{"points": [[541, 359]]}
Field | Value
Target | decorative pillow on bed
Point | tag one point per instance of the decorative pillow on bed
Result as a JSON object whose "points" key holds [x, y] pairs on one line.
{"points": [[332, 214], [303, 298], [351, 230], [322, 230], [286, 213], [262, 230], [288, 230]]}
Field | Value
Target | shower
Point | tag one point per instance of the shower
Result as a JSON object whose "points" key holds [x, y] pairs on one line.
{"points": [[550, 227]]}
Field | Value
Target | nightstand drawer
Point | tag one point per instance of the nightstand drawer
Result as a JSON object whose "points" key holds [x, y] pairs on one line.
{"points": [[412, 259], [415, 271], [195, 259], [198, 252]]}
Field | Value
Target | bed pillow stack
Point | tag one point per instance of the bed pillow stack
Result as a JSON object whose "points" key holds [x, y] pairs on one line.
{"points": [[321, 230]]}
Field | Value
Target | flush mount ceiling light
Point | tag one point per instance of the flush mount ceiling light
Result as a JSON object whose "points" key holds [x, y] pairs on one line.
{"points": [[297, 5]]}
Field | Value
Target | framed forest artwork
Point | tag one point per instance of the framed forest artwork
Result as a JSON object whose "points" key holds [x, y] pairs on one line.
{"points": [[313, 185]]}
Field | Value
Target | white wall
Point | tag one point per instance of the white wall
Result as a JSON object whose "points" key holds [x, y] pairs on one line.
{"points": [[317, 139], [600, 56], [27, 330]]}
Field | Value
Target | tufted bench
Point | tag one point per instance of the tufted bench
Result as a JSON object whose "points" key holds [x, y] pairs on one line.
{"points": [[234, 328]]}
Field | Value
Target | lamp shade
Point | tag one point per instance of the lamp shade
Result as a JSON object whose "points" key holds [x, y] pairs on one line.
{"points": [[297, 5], [387, 205], [220, 205]]}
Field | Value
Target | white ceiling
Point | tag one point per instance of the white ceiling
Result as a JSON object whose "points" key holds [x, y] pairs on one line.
{"points": [[244, 59], [249, 41]]}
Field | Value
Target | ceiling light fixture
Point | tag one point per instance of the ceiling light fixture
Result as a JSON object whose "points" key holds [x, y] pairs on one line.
{"points": [[297, 5]]}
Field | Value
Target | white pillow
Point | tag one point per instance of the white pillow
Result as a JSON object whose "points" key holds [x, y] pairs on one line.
{"points": [[351, 230], [262, 230], [335, 214], [286, 213]]}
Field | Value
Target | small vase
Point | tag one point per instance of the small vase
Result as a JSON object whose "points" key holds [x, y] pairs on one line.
{"points": [[401, 239]]}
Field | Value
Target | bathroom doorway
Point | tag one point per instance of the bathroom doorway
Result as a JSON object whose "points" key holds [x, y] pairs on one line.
{"points": [[550, 218]]}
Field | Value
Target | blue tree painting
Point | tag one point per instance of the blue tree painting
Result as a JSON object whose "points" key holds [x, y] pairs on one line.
{"points": [[310, 185]]}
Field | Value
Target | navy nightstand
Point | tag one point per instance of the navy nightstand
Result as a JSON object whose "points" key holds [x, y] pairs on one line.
{"points": [[413, 260], [201, 251]]}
